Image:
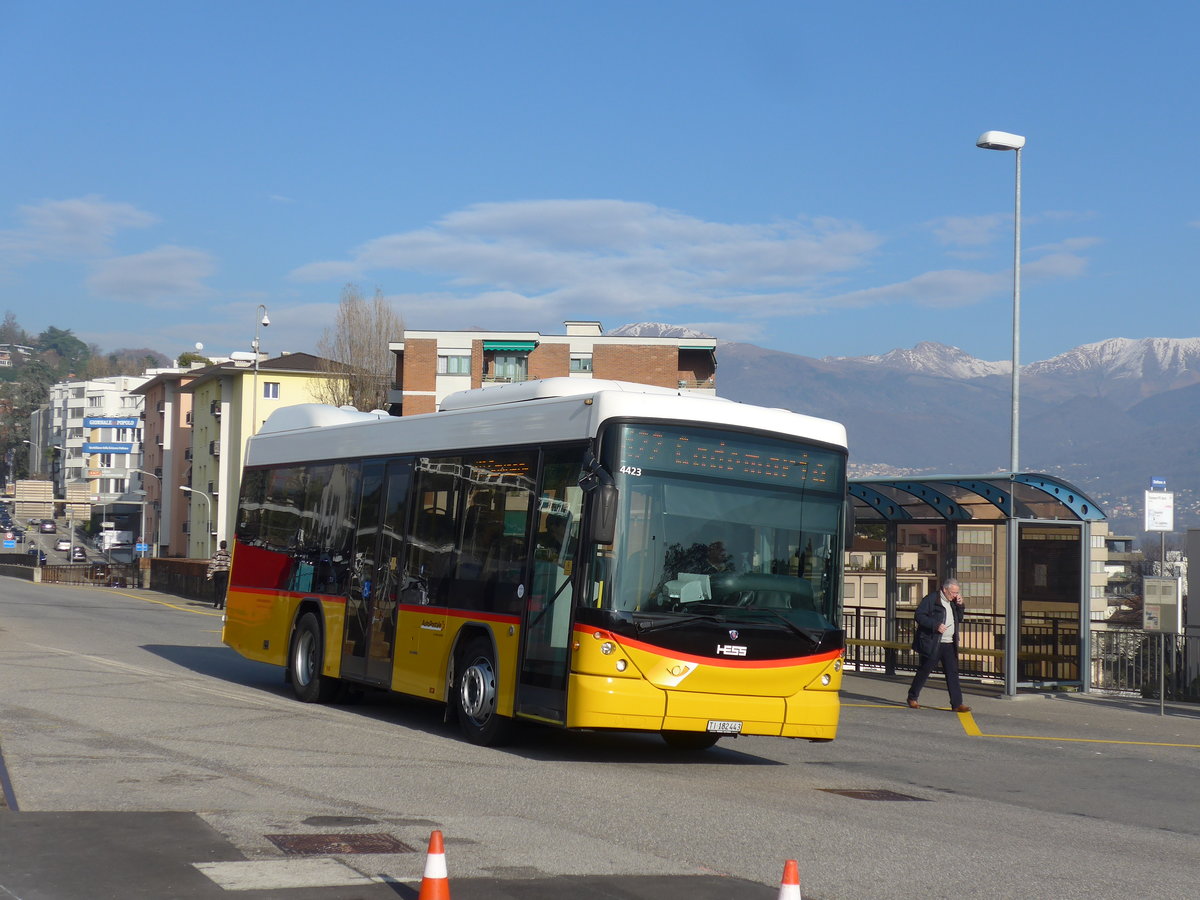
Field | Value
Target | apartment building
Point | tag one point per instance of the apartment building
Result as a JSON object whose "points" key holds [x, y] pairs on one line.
{"points": [[89, 433], [431, 365], [166, 445], [229, 403]]}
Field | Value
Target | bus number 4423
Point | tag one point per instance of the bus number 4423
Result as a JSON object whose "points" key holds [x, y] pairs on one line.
{"points": [[730, 650]]}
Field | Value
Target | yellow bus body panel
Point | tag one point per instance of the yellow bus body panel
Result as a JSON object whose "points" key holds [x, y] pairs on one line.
{"points": [[662, 692], [258, 625], [655, 692]]}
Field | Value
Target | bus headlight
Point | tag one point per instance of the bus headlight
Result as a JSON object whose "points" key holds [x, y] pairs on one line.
{"points": [[825, 679], [622, 665], [607, 647]]}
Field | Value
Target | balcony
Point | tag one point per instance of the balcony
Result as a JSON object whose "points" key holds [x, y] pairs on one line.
{"points": [[214, 448], [215, 408], [505, 379]]}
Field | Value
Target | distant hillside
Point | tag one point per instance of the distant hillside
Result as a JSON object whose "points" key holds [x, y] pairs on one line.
{"points": [[1106, 416]]}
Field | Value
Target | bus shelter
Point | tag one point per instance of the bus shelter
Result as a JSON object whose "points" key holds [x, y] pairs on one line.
{"points": [[1020, 547]]}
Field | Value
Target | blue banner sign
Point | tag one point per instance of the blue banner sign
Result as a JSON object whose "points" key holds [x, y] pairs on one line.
{"points": [[110, 423], [107, 448], [1158, 484]]}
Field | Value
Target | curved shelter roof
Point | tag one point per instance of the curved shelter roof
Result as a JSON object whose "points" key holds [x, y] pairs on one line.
{"points": [[964, 498]]}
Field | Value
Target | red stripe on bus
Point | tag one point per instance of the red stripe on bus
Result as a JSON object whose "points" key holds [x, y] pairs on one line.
{"points": [[711, 660]]}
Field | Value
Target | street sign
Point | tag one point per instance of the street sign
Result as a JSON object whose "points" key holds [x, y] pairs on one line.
{"points": [[1160, 511], [1162, 604], [142, 548], [8, 545]]}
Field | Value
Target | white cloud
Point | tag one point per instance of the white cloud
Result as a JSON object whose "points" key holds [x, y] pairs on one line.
{"points": [[166, 273], [80, 228], [969, 231], [624, 258], [515, 265]]}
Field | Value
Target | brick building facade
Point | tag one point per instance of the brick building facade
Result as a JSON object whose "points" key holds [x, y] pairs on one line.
{"points": [[431, 365]]}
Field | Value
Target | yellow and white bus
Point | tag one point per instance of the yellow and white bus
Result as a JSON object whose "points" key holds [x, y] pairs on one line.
{"points": [[580, 553]]}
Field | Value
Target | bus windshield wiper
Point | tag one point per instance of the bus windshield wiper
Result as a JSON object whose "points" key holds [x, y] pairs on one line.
{"points": [[674, 622], [812, 634]]}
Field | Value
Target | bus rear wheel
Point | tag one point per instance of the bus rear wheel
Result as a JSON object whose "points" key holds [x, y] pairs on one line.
{"points": [[690, 740], [307, 659], [477, 696]]}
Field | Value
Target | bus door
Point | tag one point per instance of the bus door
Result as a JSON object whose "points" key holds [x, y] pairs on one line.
{"points": [[371, 606], [548, 609]]}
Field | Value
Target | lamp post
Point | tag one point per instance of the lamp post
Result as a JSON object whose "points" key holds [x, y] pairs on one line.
{"points": [[1002, 140], [152, 475], [264, 322], [208, 500]]}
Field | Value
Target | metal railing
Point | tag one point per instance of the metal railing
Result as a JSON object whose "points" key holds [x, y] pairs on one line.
{"points": [[97, 574], [1135, 662], [1049, 646]]}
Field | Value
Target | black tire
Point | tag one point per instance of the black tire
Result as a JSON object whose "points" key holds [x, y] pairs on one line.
{"points": [[475, 695], [306, 658], [690, 740]]}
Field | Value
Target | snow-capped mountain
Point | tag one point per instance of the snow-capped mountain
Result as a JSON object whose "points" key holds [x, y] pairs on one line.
{"points": [[1107, 416], [656, 329], [1126, 358], [933, 359]]}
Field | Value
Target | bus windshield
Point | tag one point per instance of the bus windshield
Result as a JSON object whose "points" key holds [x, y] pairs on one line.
{"points": [[725, 523]]}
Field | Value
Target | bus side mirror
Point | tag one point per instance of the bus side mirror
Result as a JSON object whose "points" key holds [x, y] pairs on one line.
{"points": [[598, 484], [602, 524]]}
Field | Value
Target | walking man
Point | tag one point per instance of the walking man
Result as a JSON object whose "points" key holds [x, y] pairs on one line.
{"points": [[218, 574], [938, 619]]}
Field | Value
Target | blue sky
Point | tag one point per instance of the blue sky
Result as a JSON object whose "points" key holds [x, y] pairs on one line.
{"points": [[799, 175]]}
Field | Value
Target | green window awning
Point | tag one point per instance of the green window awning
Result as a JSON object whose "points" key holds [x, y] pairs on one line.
{"points": [[525, 346]]}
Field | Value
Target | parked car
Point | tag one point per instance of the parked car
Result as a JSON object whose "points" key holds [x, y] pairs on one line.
{"points": [[78, 554], [48, 526]]}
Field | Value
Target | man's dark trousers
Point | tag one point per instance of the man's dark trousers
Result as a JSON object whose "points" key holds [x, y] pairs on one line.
{"points": [[947, 655]]}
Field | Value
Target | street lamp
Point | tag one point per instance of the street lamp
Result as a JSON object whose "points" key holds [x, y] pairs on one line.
{"points": [[1002, 140], [208, 500], [264, 322]]}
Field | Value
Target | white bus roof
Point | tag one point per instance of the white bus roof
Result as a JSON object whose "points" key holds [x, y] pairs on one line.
{"points": [[544, 411]]}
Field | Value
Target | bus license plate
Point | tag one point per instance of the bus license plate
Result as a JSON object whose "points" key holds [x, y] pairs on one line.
{"points": [[723, 727]]}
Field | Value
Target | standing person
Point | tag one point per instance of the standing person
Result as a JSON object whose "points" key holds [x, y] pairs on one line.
{"points": [[938, 618], [218, 573]]}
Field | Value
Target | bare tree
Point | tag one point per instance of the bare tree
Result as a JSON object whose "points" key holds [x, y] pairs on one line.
{"points": [[356, 348]]}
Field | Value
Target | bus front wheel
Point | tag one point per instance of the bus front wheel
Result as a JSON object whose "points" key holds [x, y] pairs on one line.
{"points": [[307, 660], [477, 695]]}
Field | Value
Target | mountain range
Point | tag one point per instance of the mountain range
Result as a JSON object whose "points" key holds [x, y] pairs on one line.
{"points": [[1106, 417]]}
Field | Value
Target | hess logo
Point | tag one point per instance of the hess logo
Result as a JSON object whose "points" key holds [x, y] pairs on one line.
{"points": [[730, 650]]}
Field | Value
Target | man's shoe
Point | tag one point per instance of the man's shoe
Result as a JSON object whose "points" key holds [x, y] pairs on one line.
{"points": [[961, 708], [914, 704]]}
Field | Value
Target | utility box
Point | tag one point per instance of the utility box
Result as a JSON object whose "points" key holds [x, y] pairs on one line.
{"points": [[1162, 604]]}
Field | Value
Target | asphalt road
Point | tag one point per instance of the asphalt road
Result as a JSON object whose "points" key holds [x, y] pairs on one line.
{"points": [[142, 758]]}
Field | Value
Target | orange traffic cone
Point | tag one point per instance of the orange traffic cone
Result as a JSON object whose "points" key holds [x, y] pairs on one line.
{"points": [[435, 885], [789, 888]]}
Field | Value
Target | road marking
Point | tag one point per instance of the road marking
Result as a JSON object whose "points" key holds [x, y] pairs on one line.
{"points": [[973, 730], [199, 612], [283, 874], [1065, 740], [968, 724]]}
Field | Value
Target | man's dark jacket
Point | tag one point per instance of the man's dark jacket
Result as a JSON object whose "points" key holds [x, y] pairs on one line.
{"points": [[930, 614]]}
